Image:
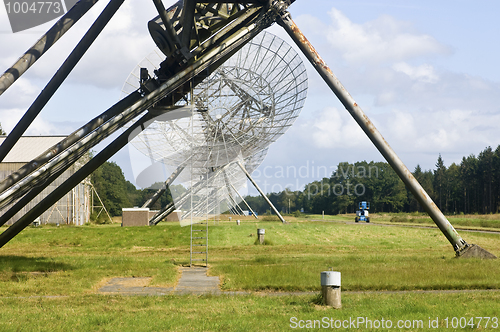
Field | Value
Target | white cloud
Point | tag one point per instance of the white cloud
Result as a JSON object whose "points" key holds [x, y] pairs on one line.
{"points": [[439, 131], [40, 126], [22, 93], [331, 128], [122, 44], [401, 126], [382, 40], [424, 73]]}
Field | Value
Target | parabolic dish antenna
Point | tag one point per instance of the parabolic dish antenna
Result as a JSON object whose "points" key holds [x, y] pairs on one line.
{"points": [[235, 114], [242, 107]]}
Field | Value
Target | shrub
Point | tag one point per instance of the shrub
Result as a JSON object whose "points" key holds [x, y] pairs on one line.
{"points": [[270, 218], [398, 219], [100, 219]]}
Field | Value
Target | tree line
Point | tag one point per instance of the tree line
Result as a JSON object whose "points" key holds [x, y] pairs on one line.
{"points": [[469, 187]]}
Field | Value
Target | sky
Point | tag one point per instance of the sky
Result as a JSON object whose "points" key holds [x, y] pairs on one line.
{"points": [[425, 73]]}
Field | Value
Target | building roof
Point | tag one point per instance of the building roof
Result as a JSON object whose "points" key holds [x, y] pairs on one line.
{"points": [[29, 147]]}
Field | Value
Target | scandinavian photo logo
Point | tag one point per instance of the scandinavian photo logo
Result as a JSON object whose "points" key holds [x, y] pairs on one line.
{"points": [[27, 14]]}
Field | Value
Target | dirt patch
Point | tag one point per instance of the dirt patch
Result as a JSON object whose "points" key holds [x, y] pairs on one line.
{"points": [[135, 282], [122, 283], [141, 249]]}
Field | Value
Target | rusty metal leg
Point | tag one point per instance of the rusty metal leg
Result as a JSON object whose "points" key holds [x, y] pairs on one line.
{"points": [[459, 245]]}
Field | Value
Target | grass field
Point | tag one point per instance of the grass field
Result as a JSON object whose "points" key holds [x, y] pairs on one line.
{"points": [[49, 276]]}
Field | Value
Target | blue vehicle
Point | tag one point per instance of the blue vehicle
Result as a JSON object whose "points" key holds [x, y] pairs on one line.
{"points": [[362, 213]]}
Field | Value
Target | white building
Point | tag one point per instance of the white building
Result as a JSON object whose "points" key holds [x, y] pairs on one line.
{"points": [[74, 208]]}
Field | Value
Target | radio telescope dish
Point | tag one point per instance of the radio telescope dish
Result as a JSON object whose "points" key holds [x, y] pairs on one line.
{"points": [[231, 116], [242, 107]]}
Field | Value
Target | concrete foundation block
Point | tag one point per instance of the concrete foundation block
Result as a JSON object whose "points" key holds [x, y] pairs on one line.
{"points": [[475, 251], [135, 217]]}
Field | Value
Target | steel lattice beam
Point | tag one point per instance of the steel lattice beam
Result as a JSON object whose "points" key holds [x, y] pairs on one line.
{"points": [[231, 38]]}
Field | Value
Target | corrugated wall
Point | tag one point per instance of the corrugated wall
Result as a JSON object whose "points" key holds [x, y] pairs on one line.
{"points": [[74, 208]]}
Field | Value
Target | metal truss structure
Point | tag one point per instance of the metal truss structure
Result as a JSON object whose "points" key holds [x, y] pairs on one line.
{"points": [[242, 107], [196, 37], [211, 187], [238, 111]]}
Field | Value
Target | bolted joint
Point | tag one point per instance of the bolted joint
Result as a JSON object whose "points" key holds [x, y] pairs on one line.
{"points": [[279, 7], [459, 250], [460, 247]]}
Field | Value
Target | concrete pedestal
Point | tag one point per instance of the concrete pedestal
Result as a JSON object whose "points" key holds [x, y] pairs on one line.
{"points": [[175, 215], [260, 233], [330, 289], [331, 296]]}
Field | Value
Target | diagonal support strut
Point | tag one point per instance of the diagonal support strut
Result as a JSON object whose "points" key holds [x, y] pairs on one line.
{"points": [[459, 245]]}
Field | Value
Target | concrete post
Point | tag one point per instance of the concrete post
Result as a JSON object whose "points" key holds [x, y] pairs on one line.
{"points": [[260, 234], [330, 289]]}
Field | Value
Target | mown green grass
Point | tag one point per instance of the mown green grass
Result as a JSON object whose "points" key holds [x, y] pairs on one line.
{"points": [[239, 313], [73, 262], [466, 221], [369, 257]]}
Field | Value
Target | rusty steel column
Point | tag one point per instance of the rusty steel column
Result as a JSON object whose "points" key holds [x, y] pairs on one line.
{"points": [[459, 245]]}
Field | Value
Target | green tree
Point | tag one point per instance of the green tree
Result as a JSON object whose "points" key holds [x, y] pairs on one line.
{"points": [[341, 191], [141, 196], [440, 183], [112, 187], [496, 183], [468, 171], [485, 172], [257, 203], [387, 190], [425, 178], [2, 132], [287, 200], [454, 188]]}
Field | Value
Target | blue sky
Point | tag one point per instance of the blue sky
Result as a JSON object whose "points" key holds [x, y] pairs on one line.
{"points": [[426, 73]]}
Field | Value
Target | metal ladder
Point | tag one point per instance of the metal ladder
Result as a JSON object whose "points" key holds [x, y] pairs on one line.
{"points": [[199, 243]]}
